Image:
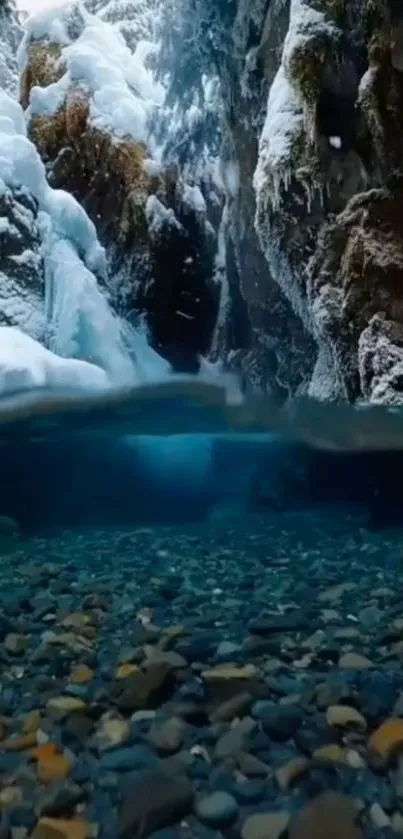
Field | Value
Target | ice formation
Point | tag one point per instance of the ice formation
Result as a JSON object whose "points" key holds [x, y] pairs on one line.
{"points": [[287, 133], [81, 323], [25, 364]]}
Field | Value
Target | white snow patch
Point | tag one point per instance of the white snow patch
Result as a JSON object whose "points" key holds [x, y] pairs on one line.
{"points": [[283, 124], [4, 225], [286, 116], [27, 257], [306, 25], [159, 216], [123, 93], [193, 198], [230, 177], [26, 364]]}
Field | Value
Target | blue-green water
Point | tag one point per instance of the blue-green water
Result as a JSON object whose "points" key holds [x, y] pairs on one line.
{"points": [[180, 452], [150, 539]]}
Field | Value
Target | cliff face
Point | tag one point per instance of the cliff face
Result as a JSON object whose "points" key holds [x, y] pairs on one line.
{"points": [[312, 109], [250, 199], [327, 214]]}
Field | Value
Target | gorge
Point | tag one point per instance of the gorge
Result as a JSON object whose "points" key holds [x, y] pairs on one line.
{"points": [[240, 164]]}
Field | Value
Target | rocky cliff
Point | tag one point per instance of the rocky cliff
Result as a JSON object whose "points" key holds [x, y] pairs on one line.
{"points": [[312, 107], [241, 162]]}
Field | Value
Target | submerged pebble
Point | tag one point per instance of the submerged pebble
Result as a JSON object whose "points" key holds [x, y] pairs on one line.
{"points": [[133, 695]]}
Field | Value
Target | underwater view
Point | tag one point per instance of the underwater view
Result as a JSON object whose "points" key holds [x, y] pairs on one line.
{"points": [[201, 419], [201, 630]]}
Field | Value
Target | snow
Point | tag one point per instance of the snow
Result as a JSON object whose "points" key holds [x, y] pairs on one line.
{"points": [[335, 143], [70, 220], [122, 92], [283, 124], [193, 198], [11, 111], [287, 115], [20, 165], [82, 324], [307, 24], [26, 364], [80, 321], [230, 177], [159, 216]]}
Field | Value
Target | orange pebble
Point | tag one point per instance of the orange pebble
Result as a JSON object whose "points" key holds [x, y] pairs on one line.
{"points": [[42, 752]]}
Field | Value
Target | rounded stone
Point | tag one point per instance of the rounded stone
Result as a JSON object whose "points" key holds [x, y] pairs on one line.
{"points": [[217, 809]]}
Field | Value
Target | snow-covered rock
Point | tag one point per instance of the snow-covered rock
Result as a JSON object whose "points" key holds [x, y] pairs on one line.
{"points": [[53, 292], [93, 108], [134, 19], [22, 285], [10, 34], [310, 98]]}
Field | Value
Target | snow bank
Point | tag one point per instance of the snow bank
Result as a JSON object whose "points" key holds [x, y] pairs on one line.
{"points": [[81, 323], [122, 92], [25, 364], [20, 165]]}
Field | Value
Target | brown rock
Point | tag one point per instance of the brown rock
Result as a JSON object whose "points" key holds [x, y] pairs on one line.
{"points": [[61, 706], [32, 721], [146, 690], [387, 740], [291, 771], [53, 768], [331, 753], [112, 732], [330, 815], [344, 716], [125, 670], [230, 671], [81, 675], [48, 828], [20, 743]]}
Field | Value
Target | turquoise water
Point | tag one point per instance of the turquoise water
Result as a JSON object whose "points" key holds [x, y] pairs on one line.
{"points": [[181, 451]]}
